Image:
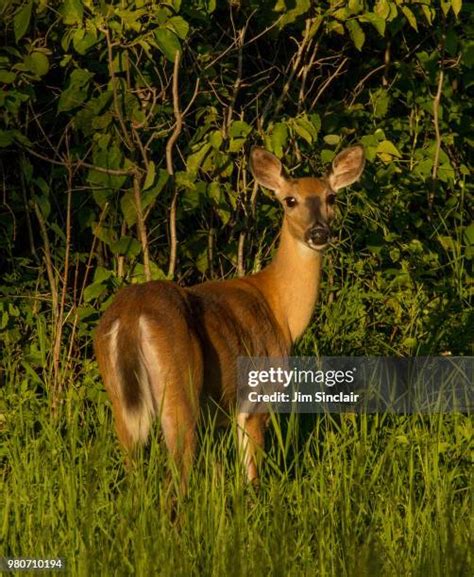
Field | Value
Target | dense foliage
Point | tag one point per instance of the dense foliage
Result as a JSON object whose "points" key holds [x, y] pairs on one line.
{"points": [[125, 129], [125, 134]]}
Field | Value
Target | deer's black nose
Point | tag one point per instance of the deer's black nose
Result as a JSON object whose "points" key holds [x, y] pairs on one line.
{"points": [[319, 234]]}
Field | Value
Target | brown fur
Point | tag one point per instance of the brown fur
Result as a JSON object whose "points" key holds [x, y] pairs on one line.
{"points": [[163, 349]]}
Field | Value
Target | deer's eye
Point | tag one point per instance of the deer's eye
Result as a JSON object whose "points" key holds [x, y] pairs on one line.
{"points": [[291, 201], [331, 199]]}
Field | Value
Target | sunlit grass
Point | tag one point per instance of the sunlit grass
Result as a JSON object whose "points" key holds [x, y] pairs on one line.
{"points": [[346, 495]]}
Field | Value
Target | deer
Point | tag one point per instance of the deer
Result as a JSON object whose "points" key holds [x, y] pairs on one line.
{"points": [[164, 350]]}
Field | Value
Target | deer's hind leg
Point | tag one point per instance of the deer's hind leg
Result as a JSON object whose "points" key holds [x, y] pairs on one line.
{"points": [[175, 367]]}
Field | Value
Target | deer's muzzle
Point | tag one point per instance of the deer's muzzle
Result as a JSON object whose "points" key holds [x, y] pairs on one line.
{"points": [[318, 236]]}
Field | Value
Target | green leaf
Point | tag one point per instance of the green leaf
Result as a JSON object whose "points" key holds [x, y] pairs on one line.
{"points": [[236, 144], [6, 138], [332, 139], [355, 6], [76, 92], [428, 12], [195, 160], [179, 25], [126, 246], [193, 197], [342, 14], [94, 291], [127, 205], [393, 12], [386, 150], [105, 234], [469, 234], [83, 39], [456, 5], [305, 128], [89, 118], [377, 21], [37, 62], [315, 24], [109, 158], [202, 261], [163, 177], [131, 17], [301, 131], [214, 191], [356, 33], [410, 17], [423, 168], [7, 77], [449, 243], [239, 128], [72, 12], [380, 101], [327, 155], [156, 272], [224, 213], [184, 180], [289, 15], [42, 185], [167, 42], [279, 138], [382, 8], [410, 342], [335, 26], [150, 175], [150, 195], [445, 6], [21, 20], [315, 121], [102, 274], [215, 138]]}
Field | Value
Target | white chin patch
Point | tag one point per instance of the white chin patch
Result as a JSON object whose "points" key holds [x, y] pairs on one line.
{"points": [[313, 246]]}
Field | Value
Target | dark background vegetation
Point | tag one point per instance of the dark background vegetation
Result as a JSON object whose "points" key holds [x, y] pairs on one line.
{"points": [[125, 130], [121, 164]]}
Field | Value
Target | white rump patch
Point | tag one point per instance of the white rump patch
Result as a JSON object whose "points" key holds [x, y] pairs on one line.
{"points": [[113, 334], [138, 420]]}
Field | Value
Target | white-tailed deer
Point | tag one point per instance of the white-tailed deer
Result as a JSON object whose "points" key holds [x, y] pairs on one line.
{"points": [[162, 348]]}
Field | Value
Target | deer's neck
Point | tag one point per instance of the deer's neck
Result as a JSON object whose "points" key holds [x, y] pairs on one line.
{"points": [[291, 283]]}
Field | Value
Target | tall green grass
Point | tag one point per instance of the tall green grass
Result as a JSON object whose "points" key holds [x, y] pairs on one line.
{"points": [[343, 496], [353, 495]]}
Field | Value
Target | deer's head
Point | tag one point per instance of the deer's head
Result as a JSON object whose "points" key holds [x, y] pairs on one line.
{"points": [[308, 202]]}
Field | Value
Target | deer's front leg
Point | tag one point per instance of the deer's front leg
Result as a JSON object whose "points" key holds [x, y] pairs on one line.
{"points": [[251, 437]]}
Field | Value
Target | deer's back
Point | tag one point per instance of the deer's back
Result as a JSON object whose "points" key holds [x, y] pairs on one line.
{"points": [[228, 318]]}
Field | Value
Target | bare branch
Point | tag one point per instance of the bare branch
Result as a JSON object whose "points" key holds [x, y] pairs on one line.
{"points": [[359, 86], [84, 284], [328, 81], [304, 74], [58, 329], [169, 165], [141, 226], [436, 103], [80, 163], [294, 69], [238, 79], [48, 259], [114, 89], [240, 255]]}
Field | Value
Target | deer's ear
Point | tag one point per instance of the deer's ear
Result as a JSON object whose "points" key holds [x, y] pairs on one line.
{"points": [[267, 169], [347, 167]]}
